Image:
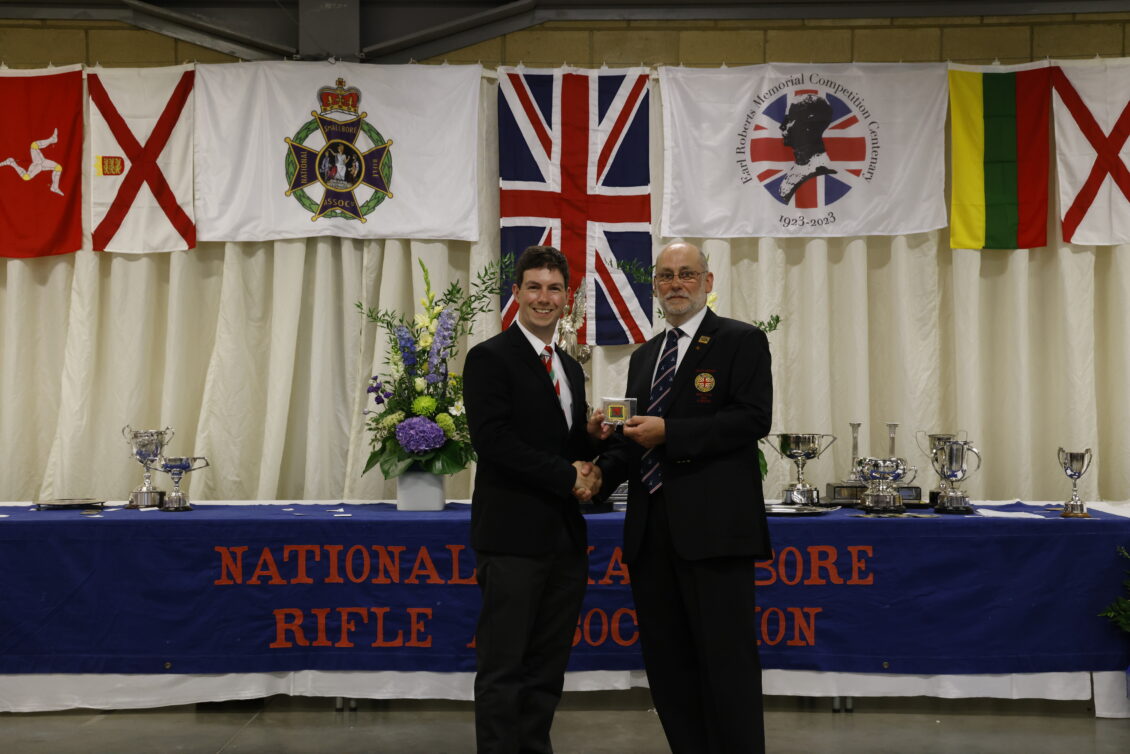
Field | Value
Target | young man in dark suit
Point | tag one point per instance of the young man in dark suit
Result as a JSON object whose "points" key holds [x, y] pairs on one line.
{"points": [[526, 410], [695, 522]]}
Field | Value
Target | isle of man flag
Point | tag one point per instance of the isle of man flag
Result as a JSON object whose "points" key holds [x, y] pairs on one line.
{"points": [[141, 145], [41, 162], [1092, 122]]}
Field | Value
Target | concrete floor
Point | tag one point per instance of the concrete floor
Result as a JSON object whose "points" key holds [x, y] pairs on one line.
{"points": [[593, 722]]}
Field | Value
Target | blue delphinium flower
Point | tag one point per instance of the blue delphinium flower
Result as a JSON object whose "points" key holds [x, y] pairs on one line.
{"points": [[407, 348], [441, 344]]}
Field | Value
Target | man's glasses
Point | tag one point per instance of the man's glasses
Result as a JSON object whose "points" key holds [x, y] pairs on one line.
{"points": [[685, 276]]}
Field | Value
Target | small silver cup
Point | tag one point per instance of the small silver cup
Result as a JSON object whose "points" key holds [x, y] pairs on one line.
{"points": [[1075, 465], [176, 467]]}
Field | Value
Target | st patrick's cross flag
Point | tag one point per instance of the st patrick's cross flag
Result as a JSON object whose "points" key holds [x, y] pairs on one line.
{"points": [[141, 144], [1092, 125]]}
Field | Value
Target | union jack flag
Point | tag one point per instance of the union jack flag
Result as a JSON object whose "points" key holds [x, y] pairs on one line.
{"points": [[831, 173], [573, 173]]}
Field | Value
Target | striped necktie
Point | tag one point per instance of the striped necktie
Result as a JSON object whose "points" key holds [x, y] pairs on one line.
{"points": [[547, 359], [657, 405]]}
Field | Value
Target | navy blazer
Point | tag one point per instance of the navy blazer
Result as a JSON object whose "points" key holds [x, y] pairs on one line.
{"points": [[524, 480], [721, 405]]}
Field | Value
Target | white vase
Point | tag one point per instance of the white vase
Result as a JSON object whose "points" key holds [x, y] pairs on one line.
{"points": [[419, 491]]}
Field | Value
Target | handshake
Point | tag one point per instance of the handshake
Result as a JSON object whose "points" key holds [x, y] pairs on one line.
{"points": [[588, 481]]}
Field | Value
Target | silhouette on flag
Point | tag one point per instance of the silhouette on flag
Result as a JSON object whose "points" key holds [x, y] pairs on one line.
{"points": [[573, 173]]}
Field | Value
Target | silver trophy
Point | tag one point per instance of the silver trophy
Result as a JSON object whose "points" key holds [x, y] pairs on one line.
{"points": [[951, 461], [800, 448], [146, 446], [883, 477], [933, 442], [1075, 465], [850, 490], [176, 467]]}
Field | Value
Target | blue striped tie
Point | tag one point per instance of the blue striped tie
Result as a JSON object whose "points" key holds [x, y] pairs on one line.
{"points": [[660, 393]]}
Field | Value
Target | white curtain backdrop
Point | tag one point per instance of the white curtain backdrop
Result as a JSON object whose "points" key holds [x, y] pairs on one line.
{"points": [[257, 357]]}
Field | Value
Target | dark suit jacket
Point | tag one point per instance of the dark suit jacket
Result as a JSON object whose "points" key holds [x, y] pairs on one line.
{"points": [[524, 481], [721, 405]]}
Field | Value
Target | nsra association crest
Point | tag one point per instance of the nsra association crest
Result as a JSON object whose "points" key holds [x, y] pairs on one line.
{"points": [[338, 164], [808, 143]]}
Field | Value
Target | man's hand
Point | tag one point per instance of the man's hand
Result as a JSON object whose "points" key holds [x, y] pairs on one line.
{"points": [[596, 427], [588, 480], [648, 431]]}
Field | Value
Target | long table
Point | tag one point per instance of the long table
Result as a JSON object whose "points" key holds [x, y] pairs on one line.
{"points": [[363, 600]]}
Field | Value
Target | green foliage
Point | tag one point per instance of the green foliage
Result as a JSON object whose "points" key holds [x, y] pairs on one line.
{"points": [[1119, 611], [769, 325]]}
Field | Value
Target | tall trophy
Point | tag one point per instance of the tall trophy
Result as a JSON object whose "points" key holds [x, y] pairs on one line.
{"points": [[800, 448], [176, 467], [146, 446], [1075, 465], [850, 490], [951, 461], [933, 442]]}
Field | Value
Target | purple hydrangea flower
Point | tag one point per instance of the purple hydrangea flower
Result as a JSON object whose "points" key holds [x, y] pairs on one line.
{"points": [[419, 434], [407, 348]]}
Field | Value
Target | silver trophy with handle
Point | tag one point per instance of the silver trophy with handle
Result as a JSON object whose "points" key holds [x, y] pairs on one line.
{"points": [[800, 448], [146, 446]]}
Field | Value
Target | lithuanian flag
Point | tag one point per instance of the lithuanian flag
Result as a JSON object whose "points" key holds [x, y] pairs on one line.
{"points": [[999, 125]]}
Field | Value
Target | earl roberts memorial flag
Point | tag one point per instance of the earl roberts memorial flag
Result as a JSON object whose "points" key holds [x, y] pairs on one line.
{"points": [[804, 150], [41, 161], [141, 146], [298, 149], [1092, 121]]}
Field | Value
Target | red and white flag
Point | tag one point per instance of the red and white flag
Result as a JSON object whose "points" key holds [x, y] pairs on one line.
{"points": [[41, 162], [1092, 122], [141, 144]]}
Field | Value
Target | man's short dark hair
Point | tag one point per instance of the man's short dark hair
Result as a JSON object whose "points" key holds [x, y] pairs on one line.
{"points": [[538, 258]]}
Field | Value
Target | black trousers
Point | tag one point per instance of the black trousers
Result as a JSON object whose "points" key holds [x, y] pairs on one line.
{"points": [[697, 624], [524, 635]]}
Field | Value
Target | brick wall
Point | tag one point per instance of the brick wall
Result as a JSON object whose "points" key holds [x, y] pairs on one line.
{"points": [[35, 44], [966, 39]]}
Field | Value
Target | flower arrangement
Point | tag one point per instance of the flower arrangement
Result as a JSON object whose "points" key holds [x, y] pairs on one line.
{"points": [[418, 423]]}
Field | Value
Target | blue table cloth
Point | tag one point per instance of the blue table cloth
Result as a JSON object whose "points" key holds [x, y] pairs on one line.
{"points": [[364, 587]]}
